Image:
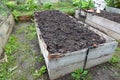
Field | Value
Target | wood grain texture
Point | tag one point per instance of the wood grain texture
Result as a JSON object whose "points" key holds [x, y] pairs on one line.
{"points": [[5, 31]]}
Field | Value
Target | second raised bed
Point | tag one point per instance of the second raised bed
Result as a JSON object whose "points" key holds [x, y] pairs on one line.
{"points": [[109, 27]]}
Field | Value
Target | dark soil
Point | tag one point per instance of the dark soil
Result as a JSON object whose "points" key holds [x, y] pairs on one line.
{"points": [[111, 16], [63, 34]]}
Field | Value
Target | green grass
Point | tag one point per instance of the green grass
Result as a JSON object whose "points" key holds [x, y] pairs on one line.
{"points": [[12, 45], [31, 32], [115, 60], [41, 71], [28, 9], [7, 68]]}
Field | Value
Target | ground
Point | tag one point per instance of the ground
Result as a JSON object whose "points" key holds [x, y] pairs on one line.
{"points": [[28, 59]]}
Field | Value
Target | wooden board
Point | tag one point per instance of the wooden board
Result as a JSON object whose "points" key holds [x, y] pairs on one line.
{"points": [[62, 64], [109, 27], [5, 30], [113, 10]]}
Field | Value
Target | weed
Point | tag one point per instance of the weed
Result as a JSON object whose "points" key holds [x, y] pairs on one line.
{"points": [[12, 45], [40, 59], [83, 4], [31, 32], [79, 74], [116, 58], [6, 68], [41, 71]]}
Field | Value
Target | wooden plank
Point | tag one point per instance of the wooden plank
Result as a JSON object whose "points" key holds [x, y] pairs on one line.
{"points": [[111, 25], [54, 74], [5, 31], [73, 57], [107, 31], [113, 10]]}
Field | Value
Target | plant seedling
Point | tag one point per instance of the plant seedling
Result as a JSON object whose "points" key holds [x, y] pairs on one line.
{"points": [[41, 71], [79, 74]]}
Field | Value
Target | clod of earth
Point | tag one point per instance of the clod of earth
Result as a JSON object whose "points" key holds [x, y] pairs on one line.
{"points": [[64, 34], [111, 16]]}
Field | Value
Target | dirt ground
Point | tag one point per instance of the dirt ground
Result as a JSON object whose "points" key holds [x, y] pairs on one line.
{"points": [[28, 55]]}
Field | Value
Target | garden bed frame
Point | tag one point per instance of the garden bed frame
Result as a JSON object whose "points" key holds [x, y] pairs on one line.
{"points": [[113, 10], [61, 64], [5, 30], [109, 27]]}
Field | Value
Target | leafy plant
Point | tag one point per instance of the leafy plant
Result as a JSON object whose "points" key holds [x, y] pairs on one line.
{"points": [[117, 3], [12, 45], [16, 14], [11, 4], [84, 4], [79, 74], [113, 3], [40, 59], [114, 59], [41, 71], [47, 6]]}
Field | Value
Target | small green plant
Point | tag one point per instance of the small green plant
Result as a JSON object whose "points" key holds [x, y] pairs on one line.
{"points": [[16, 14], [40, 59], [113, 3], [47, 6], [31, 32], [12, 45], [83, 4], [7, 66], [117, 3], [114, 59], [41, 71], [79, 74], [11, 5]]}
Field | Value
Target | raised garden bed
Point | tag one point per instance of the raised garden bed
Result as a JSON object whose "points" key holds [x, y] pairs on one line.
{"points": [[64, 41], [109, 23]]}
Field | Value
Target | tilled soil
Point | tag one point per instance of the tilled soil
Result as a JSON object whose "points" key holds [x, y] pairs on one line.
{"points": [[64, 34], [111, 16]]}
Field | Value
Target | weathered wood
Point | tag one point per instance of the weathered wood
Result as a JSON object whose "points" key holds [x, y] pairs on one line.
{"points": [[113, 10], [70, 68], [5, 30], [109, 27], [69, 62]]}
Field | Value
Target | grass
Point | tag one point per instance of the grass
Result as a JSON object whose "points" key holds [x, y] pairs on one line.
{"points": [[7, 67], [20, 55], [12, 45], [28, 9], [116, 57], [31, 32], [41, 71]]}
